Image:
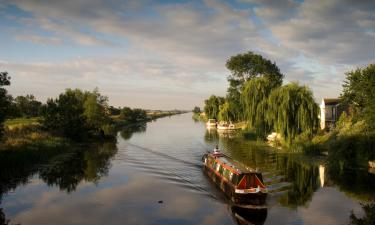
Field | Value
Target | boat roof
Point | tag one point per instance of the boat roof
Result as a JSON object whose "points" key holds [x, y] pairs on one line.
{"points": [[239, 167]]}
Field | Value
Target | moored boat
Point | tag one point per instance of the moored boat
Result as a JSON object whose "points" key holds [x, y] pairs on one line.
{"points": [[224, 126], [242, 185], [211, 123]]}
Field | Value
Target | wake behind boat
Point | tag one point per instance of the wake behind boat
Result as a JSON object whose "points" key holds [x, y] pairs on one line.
{"points": [[242, 185]]}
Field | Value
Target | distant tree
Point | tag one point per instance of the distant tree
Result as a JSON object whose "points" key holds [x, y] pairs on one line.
{"points": [[126, 114], [4, 99], [196, 110], [27, 106], [114, 111], [139, 115], [94, 112], [77, 114]]}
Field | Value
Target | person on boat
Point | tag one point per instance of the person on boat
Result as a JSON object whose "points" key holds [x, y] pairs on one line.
{"points": [[216, 149]]}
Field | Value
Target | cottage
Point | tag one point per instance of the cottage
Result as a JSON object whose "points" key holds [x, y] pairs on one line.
{"points": [[330, 112]]}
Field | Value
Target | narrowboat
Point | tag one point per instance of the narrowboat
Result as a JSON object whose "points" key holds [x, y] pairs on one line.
{"points": [[224, 126], [211, 123], [242, 185]]}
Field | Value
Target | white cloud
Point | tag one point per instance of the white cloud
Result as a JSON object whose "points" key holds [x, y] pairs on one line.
{"points": [[187, 44], [39, 39]]}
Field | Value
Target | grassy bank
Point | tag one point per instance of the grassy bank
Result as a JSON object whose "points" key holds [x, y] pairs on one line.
{"points": [[27, 133]]}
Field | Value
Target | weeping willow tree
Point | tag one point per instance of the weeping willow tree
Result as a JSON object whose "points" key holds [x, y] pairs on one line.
{"points": [[293, 111], [211, 106], [224, 112], [255, 102]]}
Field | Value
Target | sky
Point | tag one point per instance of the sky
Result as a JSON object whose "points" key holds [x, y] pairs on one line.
{"points": [[172, 54]]}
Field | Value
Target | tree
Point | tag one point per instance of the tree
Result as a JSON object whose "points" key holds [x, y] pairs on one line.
{"points": [[133, 115], [27, 106], [293, 111], [77, 114], [93, 112], [247, 66], [4, 99], [196, 110], [358, 92], [255, 103], [114, 111], [224, 112], [70, 110], [139, 115], [126, 114], [211, 107]]}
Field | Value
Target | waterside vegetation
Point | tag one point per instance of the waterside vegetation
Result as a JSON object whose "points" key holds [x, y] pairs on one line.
{"points": [[75, 116], [257, 96]]}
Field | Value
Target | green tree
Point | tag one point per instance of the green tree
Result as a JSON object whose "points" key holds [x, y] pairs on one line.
{"points": [[211, 107], [224, 112], [27, 106], [4, 99], [114, 111], [196, 110], [126, 114], [77, 114], [293, 111], [70, 108], [139, 115], [358, 92], [246, 66], [255, 102]]}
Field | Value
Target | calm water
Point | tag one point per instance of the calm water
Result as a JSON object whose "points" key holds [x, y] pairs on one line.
{"points": [[153, 175]]}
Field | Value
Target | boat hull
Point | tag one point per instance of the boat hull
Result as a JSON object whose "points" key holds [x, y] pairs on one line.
{"points": [[243, 200]]}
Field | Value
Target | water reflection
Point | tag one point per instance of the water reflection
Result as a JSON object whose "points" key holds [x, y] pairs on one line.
{"points": [[64, 168], [293, 179], [354, 180], [127, 132], [243, 216], [88, 185]]}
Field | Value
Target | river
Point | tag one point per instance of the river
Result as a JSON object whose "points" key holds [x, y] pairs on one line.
{"points": [[152, 174]]}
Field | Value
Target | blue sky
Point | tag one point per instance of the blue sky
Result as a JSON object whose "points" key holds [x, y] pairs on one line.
{"points": [[172, 54]]}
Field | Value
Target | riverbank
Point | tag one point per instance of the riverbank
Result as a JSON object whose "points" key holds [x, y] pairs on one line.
{"points": [[150, 116], [29, 133]]}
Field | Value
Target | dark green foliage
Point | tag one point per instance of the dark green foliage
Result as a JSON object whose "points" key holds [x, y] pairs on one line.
{"points": [[196, 110], [292, 111], [244, 68], [4, 99], [358, 92], [249, 65], [26, 106], [212, 106], [114, 111], [133, 115], [368, 219], [255, 101], [78, 114]]}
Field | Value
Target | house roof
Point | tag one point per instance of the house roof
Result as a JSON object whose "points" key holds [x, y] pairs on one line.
{"points": [[331, 101]]}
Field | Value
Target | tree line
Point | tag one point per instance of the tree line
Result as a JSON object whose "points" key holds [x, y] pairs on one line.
{"points": [[75, 114], [256, 95]]}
